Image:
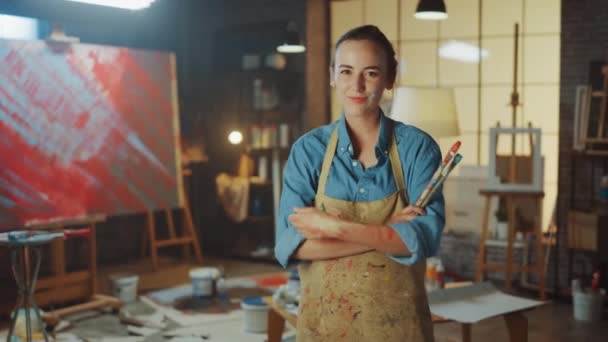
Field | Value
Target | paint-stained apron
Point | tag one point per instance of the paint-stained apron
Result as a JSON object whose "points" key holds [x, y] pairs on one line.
{"points": [[365, 297]]}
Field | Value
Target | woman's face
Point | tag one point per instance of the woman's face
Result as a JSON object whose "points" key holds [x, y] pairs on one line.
{"points": [[360, 75]]}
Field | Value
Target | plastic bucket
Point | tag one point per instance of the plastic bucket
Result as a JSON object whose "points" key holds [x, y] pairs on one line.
{"points": [[124, 287], [256, 314], [203, 281], [588, 306]]}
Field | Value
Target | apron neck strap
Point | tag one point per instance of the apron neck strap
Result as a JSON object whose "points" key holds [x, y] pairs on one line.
{"points": [[329, 156], [396, 165]]}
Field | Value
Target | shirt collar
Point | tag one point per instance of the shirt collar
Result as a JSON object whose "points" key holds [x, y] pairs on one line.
{"points": [[384, 136]]}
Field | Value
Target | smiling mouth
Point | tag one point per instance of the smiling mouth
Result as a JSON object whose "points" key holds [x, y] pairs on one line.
{"points": [[358, 99]]}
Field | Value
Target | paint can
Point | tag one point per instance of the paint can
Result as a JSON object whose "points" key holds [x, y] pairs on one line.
{"points": [[203, 281], [255, 314], [124, 287], [20, 332], [588, 305]]}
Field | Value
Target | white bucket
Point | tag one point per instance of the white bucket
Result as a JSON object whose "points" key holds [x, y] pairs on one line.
{"points": [[124, 287], [203, 280], [588, 306], [256, 314]]}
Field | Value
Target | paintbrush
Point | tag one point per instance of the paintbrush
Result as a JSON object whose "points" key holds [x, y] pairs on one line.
{"points": [[451, 153], [444, 174], [449, 156]]}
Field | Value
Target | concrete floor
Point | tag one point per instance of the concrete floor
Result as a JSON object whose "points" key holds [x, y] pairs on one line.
{"points": [[551, 322]]}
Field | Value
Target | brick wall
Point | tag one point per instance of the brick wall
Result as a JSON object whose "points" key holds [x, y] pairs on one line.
{"points": [[584, 39]]}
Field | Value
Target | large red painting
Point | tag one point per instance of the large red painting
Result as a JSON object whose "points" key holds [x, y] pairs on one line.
{"points": [[85, 129]]}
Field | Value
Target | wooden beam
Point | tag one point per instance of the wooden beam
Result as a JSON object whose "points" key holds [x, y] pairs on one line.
{"points": [[317, 112]]}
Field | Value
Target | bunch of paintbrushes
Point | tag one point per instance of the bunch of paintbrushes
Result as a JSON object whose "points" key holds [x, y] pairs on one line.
{"points": [[451, 159]]}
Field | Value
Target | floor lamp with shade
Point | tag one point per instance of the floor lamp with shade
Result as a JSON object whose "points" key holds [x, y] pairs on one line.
{"points": [[431, 109]]}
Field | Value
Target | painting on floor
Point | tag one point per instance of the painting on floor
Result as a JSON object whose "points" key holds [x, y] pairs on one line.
{"points": [[86, 129]]}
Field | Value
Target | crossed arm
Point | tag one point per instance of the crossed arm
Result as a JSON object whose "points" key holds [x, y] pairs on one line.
{"points": [[329, 236]]}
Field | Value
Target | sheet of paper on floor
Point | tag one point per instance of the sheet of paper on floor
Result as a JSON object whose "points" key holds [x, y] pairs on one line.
{"points": [[187, 331], [154, 320], [142, 331], [471, 304], [119, 339]]}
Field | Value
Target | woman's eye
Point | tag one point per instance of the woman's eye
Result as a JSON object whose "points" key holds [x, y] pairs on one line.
{"points": [[344, 72], [372, 74]]}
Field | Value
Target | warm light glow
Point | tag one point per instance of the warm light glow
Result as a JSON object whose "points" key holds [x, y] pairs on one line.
{"points": [[431, 15], [462, 52], [235, 137], [126, 4], [285, 48]]}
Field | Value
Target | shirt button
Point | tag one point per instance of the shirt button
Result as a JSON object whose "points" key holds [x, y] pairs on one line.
{"points": [[350, 148], [362, 190], [342, 149], [354, 163], [385, 152]]}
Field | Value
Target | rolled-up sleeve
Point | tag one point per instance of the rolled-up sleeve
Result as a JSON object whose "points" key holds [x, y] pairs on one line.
{"points": [[422, 235], [298, 191]]}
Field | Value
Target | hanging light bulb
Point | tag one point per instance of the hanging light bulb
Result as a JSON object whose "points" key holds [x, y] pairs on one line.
{"points": [[292, 43], [235, 137], [431, 10]]}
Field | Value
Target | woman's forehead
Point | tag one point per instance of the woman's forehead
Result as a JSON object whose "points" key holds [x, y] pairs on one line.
{"points": [[359, 51]]}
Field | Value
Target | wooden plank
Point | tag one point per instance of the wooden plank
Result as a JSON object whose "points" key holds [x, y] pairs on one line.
{"points": [[63, 280], [479, 274], [517, 325], [510, 237], [62, 294], [486, 192], [538, 231], [93, 258], [58, 257], [152, 239], [598, 140], [170, 223], [173, 242]]}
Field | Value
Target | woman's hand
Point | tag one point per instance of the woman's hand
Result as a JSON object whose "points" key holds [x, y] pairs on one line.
{"points": [[316, 224], [406, 214]]}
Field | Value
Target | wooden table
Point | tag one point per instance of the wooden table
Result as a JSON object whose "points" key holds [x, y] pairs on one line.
{"points": [[517, 323]]}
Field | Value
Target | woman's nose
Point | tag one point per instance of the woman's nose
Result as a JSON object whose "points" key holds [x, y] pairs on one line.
{"points": [[360, 83]]}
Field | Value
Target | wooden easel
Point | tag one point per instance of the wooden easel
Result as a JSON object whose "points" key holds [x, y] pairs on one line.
{"points": [[188, 232], [508, 266], [511, 197]]}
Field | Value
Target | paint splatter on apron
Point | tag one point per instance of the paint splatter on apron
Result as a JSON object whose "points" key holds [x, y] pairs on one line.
{"points": [[365, 297]]}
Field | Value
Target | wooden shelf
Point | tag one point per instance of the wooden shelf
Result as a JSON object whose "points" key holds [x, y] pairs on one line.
{"points": [[597, 140], [492, 192], [590, 153]]}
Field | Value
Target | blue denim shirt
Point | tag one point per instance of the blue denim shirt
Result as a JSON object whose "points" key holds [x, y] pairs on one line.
{"points": [[420, 157]]}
